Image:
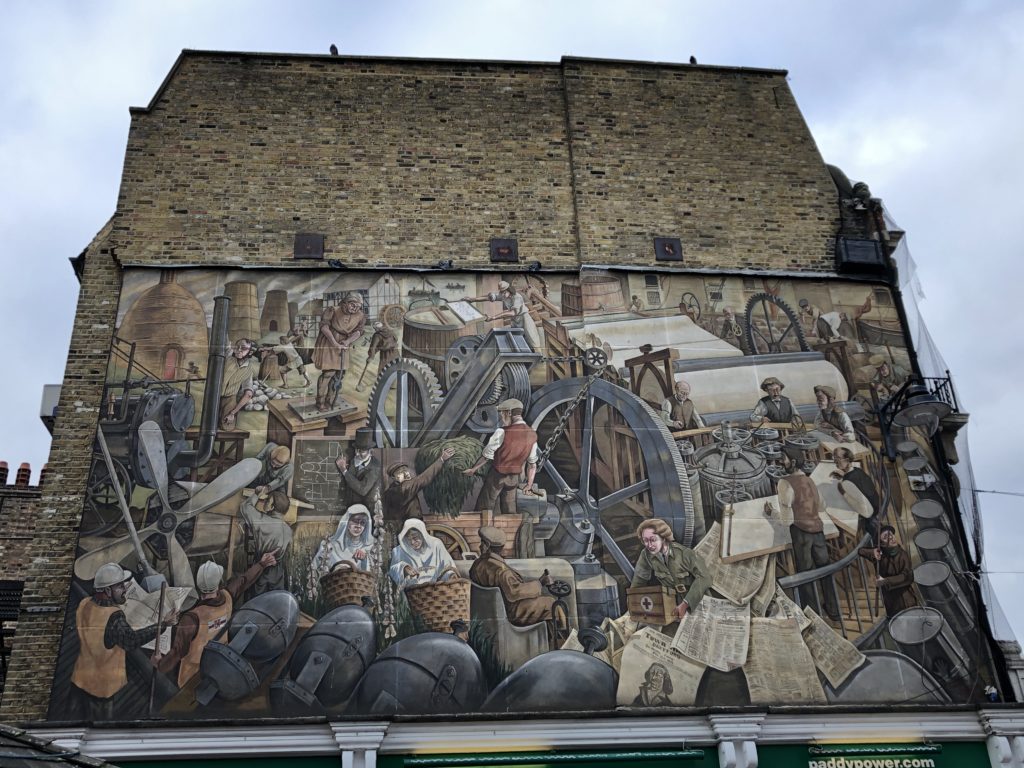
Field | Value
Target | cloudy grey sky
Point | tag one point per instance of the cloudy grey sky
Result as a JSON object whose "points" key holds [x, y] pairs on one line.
{"points": [[920, 98]]}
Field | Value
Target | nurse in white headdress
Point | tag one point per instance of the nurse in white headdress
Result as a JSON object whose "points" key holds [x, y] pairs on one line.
{"points": [[419, 557], [352, 541]]}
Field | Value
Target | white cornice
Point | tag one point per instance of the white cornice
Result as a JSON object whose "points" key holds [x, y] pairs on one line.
{"points": [[196, 740]]}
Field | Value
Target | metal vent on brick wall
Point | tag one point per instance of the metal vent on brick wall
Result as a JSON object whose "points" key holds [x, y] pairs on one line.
{"points": [[10, 599], [668, 249], [859, 255], [309, 245], [504, 250]]}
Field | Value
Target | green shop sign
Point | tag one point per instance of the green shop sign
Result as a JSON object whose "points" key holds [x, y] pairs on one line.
{"points": [[688, 758], [950, 755]]}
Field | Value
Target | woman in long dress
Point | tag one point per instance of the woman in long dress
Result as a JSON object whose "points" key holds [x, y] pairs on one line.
{"points": [[353, 542], [419, 557]]}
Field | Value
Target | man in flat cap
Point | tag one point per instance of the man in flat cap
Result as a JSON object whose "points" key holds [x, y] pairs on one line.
{"points": [[340, 326], [513, 309], [524, 602], [831, 418], [400, 498], [277, 469], [774, 406], [360, 475], [826, 324], [888, 377], [511, 449]]}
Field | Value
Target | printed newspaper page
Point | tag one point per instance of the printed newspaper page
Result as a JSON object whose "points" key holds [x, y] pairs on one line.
{"points": [[834, 655], [140, 609], [779, 668], [784, 608], [715, 633], [654, 675], [709, 547], [766, 593], [735, 581]]}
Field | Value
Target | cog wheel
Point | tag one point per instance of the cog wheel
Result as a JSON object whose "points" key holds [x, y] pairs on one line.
{"points": [[402, 402], [765, 333]]}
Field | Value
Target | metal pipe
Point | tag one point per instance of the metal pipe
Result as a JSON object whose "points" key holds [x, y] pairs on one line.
{"points": [[211, 392]]}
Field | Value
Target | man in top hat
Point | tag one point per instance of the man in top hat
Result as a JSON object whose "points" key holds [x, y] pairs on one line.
{"points": [[383, 343], [203, 621], [100, 674], [524, 602], [511, 449], [774, 406], [888, 378], [340, 326], [400, 499], [360, 477], [831, 418], [514, 309], [277, 469], [678, 411]]}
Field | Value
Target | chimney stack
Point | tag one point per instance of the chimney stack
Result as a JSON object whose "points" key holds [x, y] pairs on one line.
{"points": [[24, 475], [3, 473]]}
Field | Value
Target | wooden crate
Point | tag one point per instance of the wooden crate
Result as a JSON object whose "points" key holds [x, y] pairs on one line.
{"points": [[651, 605]]}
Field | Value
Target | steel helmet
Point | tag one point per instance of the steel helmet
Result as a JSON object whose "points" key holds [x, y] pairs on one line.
{"points": [[208, 576], [110, 574]]}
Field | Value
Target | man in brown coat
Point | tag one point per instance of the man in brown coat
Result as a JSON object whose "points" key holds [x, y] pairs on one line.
{"points": [[895, 574], [799, 496], [524, 603], [400, 499], [340, 327]]}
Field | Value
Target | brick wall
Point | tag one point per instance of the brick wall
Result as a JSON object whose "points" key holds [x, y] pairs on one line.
{"points": [[408, 162]]}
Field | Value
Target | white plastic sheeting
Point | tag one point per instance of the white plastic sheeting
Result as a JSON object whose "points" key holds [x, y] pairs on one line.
{"points": [[933, 364]]}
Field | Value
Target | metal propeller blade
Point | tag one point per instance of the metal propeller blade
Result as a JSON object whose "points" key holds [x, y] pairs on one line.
{"points": [[151, 438], [223, 486], [114, 552], [181, 571]]}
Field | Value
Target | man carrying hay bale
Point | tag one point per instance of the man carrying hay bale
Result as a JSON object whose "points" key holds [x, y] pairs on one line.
{"points": [[511, 449], [400, 498]]}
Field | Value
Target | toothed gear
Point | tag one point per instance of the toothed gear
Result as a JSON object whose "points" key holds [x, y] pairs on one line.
{"points": [[667, 483], [426, 394], [760, 344]]}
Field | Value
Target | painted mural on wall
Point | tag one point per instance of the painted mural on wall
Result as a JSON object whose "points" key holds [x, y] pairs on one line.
{"points": [[374, 494]]}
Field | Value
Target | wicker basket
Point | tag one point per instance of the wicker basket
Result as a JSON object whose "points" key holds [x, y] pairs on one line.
{"points": [[441, 602], [347, 585]]}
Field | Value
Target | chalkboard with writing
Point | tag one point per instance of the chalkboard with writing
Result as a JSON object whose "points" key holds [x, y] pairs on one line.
{"points": [[316, 478]]}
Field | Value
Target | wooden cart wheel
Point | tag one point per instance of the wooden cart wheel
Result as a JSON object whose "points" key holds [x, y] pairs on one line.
{"points": [[453, 541], [391, 315]]}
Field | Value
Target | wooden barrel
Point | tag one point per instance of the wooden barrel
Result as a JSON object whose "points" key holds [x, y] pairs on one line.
{"points": [[593, 294], [427, 332]]}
